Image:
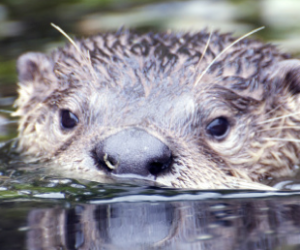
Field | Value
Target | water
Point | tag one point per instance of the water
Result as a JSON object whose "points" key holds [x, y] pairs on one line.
{"points": [[38, 211], [48, 212], [128, 217]]}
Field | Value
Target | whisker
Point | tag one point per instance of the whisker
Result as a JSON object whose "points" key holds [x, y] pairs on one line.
{"points": [[93, 72], [203, 53], [225, 49], [278, 118], [273, 110], [4, 143], [87, 56], [281, 139], [283, 127], [8, 122], [6, 111], [66, 36]]}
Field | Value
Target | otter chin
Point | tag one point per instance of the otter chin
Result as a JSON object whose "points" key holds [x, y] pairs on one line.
{"points": [[183, 110]]}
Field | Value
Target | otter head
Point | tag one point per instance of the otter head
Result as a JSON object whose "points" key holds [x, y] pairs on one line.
{"points": [[162, 109]]}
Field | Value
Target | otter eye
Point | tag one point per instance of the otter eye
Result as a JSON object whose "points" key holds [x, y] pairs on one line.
{"points": [[218, 128], [67, 119]]}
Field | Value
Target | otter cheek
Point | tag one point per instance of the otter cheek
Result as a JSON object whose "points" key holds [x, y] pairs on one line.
{"points": [[231, 146]]}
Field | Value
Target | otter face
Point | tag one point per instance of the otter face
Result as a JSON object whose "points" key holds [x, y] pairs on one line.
{"points": [[151, 109]]}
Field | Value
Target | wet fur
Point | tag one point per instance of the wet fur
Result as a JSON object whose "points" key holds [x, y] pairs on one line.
{"points": [[118, 80]]}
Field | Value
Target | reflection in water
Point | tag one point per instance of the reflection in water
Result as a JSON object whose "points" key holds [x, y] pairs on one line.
{"points": [[232, 224]]}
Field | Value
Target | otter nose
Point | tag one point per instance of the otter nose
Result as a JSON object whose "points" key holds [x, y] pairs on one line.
{"points": [[133, 151]]}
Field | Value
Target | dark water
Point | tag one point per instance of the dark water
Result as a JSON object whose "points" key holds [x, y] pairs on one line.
{"points": [[43, 212], [116, 217]]}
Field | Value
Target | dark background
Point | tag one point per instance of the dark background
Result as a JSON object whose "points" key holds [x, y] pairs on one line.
{"points": [[25, 24]]}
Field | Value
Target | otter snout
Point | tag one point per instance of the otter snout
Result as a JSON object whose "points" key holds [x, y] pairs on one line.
{"points": [[133, 151]]}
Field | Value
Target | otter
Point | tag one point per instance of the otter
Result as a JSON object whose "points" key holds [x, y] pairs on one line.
{"points": [[183, 110]]}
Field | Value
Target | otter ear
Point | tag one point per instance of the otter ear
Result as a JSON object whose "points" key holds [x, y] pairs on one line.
{"points": [[285, 75], [35, 72], [34, 68]]}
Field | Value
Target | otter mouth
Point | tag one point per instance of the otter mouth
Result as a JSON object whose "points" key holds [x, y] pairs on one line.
{"points": [[133, 154]]}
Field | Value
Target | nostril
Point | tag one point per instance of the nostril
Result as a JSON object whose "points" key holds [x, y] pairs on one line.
{"points": [[105, 161], [110, 162], [160, 163], [156, 168]]}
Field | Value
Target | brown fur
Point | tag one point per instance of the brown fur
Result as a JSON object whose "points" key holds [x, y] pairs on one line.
{"points": [[123, 80]]}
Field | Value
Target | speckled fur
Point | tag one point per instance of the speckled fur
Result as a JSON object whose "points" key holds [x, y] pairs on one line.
{"points": [[151, 81]]}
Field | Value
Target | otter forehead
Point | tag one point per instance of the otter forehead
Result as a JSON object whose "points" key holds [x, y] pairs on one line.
{"points": [[148, 61], [155, 74], [159, 75]]}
